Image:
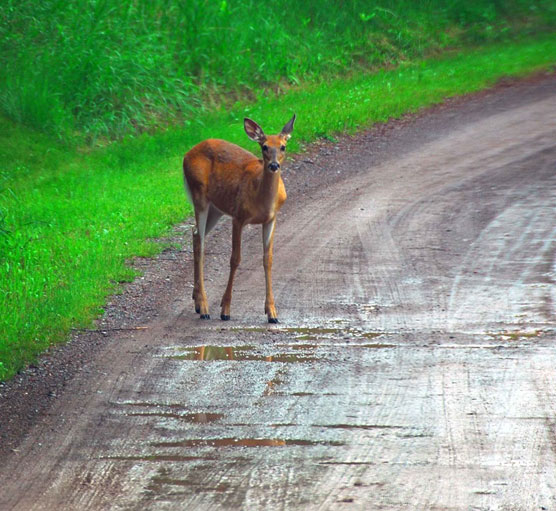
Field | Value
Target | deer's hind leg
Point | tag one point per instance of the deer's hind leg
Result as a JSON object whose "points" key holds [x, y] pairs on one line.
{"points": [[206, 219], [199, 293]]}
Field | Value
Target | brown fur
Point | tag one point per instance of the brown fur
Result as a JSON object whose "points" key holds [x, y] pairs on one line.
{"points": [[232, 179]]}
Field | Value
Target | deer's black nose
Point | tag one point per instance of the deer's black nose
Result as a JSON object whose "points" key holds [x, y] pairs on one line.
{"points": [[274, 166]]}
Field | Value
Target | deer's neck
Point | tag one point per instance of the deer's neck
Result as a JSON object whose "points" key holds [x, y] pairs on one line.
{"points": [[267, 196], [268, 188]]}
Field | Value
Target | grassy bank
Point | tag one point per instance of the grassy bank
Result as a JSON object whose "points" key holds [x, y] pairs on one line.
{"points": [[70, 218], [102, 68]]}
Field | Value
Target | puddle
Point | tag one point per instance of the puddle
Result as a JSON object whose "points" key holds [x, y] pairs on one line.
{"points": [[327, 426], [374, 346], [347, 463], [207, 353], [198, 418], [164, 478], [171, 411], [358, 426], [158, 457], [151, 404], [242, 442], [289, 353], [314, 333], [515, 335]]}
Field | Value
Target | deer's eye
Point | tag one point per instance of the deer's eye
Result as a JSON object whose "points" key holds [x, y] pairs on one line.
{"points": [[265, 148], [282, 148]]}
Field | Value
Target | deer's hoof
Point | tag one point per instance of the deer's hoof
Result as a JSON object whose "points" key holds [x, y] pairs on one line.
{"points": [[224, 317], [205, 316], [197, 309], [273, 320]]}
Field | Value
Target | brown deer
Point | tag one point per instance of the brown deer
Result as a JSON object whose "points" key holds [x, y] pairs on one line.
{"points": [[222, 178]]}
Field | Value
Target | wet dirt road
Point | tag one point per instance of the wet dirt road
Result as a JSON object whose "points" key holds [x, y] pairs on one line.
{"points": [[414, 367]]}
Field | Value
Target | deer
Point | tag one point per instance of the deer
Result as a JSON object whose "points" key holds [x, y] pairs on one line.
{"points": [[222, 178]]}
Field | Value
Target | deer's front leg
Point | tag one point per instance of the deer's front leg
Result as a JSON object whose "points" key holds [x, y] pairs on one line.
{"points": [[234, 263], [268, 242]]}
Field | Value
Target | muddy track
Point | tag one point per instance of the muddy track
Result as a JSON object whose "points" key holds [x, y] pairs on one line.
{"points": [[414, 366]]}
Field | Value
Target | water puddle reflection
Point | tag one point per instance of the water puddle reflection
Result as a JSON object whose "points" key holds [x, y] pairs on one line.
{"points": [[314, 333], [207, 353], [198, 418], [170, 411], [242, 442], [288, 353], [158, 457], [359, 426], [166, 477]]}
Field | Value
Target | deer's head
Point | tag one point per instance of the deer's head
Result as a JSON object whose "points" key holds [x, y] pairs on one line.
{"points": [[272, 146]]}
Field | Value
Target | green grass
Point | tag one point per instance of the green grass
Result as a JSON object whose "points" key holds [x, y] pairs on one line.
{"points": [[68, 226], [71, 217], [103, 68]]}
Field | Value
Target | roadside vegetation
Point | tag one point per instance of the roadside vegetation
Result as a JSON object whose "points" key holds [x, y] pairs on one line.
{"points": [[99, 100], [109, 68]]}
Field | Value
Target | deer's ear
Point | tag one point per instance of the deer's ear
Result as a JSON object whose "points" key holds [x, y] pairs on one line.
{"points": [[288, 128], [254, 131]]}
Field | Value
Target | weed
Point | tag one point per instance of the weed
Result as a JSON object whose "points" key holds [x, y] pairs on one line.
{"points": [[105, 68]]}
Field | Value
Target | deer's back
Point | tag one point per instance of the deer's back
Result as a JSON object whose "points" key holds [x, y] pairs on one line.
{"points": [[219, 171]]}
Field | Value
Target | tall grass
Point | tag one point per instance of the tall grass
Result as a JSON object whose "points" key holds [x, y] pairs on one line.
{"points": [[108, 68]]}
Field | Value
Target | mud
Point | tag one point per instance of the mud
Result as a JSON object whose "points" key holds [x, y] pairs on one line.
{"points": [[414, 366]]}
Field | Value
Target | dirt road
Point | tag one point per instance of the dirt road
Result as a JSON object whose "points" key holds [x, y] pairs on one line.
{"points": [[414, 367]]}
